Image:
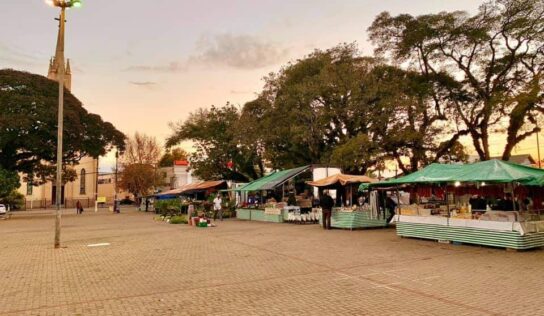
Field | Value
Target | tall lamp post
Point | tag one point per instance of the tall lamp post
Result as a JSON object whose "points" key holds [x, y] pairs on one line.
{"points": [[62, 4]]}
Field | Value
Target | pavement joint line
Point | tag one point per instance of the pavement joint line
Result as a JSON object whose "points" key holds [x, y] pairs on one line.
{"points": [[418, 280], [357, 278], [444, 300], [451, 302]]}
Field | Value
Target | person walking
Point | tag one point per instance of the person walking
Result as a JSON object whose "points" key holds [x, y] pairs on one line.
{"points": [[326, 203], [190, 212], [79, 207], [218, 211]]}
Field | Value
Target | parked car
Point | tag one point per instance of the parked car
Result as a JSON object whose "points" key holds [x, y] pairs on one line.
{"points": [[3, 209]]}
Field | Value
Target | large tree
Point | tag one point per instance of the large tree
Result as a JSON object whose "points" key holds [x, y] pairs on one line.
{"points": [[139, 164], [28, 126], [315, 106], [496, 56], [410, 118], [336, 107], [218, 154]]}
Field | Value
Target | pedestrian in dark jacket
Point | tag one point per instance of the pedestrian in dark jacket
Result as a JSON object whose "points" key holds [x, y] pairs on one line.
{"points": [[326, 203], [79, 207]]}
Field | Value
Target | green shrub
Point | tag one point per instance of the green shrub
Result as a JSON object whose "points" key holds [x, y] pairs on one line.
{"points": [[168, 207], [15, 200], [178, 220]]}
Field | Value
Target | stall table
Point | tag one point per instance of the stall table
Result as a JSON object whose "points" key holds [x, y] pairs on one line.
{"points": [[504, 234], [349, 219], [266, 215]]}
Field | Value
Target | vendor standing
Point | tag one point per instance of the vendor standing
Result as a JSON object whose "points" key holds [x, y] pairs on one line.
{"points": [[217, 208], [326, 203]]}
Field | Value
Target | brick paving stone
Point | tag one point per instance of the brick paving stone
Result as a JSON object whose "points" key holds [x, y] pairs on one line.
{"points": [[250, 268]]}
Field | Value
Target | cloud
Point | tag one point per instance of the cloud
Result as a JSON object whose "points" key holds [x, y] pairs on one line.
{"points": [[143, 83], [172, 67], [235, 51], [238, 51]]}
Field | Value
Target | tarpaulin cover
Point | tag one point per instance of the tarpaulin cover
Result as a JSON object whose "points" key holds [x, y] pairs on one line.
{"points": [[273, 180], [343, 179], [197, 186], [201, 186], [490, 171]]}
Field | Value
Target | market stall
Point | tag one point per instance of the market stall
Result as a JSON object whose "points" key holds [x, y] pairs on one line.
{"points": [[352, 210], [178, 200], [272, 198], [491, 203]]}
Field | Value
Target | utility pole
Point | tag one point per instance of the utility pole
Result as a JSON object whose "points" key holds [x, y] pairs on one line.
{"points": [[60, 63], [62, 4]]}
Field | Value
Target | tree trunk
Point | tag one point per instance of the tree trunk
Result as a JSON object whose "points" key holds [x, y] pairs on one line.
{"points": [[477, 145]]}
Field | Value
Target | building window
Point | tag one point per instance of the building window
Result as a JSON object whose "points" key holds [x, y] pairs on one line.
{"points": [[82, 182], [29, 188]]}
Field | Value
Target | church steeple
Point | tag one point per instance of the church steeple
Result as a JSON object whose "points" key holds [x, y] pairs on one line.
{"points": [[55, 62]]}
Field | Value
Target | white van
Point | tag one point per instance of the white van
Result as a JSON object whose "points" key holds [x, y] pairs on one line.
{"points": [[3, 209]]}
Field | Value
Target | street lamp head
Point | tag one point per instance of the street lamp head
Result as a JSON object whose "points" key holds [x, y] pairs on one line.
{"points": [[64, 3]]}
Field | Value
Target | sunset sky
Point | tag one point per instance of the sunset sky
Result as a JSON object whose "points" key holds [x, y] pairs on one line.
{"points": [[142, 64]]}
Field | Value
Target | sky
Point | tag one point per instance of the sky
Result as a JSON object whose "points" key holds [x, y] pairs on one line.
{"points": [[144, 64]]}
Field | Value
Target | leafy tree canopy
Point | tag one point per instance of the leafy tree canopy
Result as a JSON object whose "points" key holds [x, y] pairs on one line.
{"points": [[496, 56], [139, 163], [337, 107], [171, 155], [9, 182], [28, 126], [219, 154]]}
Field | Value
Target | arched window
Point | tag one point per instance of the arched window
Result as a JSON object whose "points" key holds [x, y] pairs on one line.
{"points": [[82, 182]]}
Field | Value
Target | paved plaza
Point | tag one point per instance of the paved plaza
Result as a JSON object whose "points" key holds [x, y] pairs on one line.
{"points": [[249, 268]]}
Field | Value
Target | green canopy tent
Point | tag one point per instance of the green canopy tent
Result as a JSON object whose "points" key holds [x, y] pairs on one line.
{"points": [[514, 233], [498, 171], [535, 182], [434, 173], [267, 183], [273, 180], [490, 171]]}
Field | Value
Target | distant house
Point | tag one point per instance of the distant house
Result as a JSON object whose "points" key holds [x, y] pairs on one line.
{"points": [[177, 175]]}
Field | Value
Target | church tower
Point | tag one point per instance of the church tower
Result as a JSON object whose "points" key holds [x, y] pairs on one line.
{"points": [[54, 64]]}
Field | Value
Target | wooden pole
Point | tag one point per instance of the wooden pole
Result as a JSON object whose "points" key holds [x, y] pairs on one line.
{"points": [[398, 199], [514, 196], [447, 200]]}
